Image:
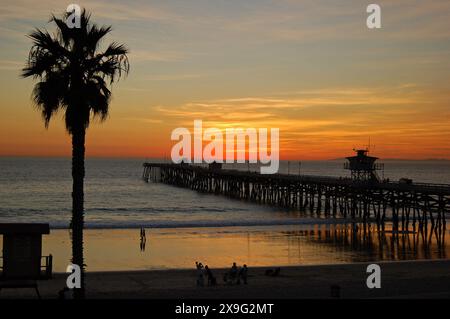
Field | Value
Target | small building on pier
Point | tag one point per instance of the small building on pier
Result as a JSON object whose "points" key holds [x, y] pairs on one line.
{"points": [[363, 167], [215, 166]]}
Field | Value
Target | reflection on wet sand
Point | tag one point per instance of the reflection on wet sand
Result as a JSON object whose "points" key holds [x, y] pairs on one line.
{"points": [[368, 242], [267, 246]]}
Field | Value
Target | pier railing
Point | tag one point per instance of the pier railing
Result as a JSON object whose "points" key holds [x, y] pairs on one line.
{"points": [[374, 166]]}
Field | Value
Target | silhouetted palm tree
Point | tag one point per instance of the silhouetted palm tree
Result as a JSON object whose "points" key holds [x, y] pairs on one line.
{"points": [[74, 78]]}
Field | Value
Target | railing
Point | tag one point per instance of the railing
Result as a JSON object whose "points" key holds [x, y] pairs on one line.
{"points": [[432, 185], [47, 267], [438, 188], [442, 188], [375, 166]]}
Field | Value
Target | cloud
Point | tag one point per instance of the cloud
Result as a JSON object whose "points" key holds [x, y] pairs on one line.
{"points": [[281, 20], [8, 65], [172, 77], [144, 120], [317, 117], [130, 10], [149, 56]]}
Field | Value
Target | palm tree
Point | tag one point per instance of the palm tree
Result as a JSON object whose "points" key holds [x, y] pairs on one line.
{"points": [[74, 76]]}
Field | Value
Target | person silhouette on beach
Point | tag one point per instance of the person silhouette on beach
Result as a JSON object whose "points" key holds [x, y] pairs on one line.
{"points": [[200, 270], [242, 275], [143, 240], [232, 274], [234, 270], [211, 279], [142, 233]]}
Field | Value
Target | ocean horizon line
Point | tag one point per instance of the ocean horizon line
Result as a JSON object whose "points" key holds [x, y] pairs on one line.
{"points": [[165, 159]]}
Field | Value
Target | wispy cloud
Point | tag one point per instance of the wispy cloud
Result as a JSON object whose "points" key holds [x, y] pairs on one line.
{"points": [[281, 20], [144, 120], [8, 65], [130, 10], [149, 56], [172, 77]]}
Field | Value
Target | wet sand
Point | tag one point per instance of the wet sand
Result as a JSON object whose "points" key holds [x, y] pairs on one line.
{"points": [[405, 279], [179, 248]]}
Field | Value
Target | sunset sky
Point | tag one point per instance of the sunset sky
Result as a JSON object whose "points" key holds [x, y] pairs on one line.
{"points": [[309, 67]]}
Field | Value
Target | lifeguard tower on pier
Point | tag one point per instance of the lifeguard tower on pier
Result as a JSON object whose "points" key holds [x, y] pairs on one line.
{"points": [[363, 167]]}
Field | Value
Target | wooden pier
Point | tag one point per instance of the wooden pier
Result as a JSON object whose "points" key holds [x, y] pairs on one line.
{"points": [[405, 205]]}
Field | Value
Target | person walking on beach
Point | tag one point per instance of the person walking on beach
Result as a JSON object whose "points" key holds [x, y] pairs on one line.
{"points": [[234, 270], [211, 279], [232, 274], [243, 275], [200, 282], [143, 239], [143, 233]]}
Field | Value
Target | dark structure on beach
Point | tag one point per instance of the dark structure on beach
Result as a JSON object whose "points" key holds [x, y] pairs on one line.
{"points": [[362, 198], [23, 263]]}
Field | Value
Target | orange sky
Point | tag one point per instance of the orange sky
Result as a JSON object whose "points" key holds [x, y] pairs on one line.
{"points": [[311, 69]]}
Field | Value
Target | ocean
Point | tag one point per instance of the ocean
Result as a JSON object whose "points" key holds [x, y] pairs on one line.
{"points": [[39, 190]]}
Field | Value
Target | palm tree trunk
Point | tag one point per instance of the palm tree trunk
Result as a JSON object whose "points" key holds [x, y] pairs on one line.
{"points": [[78, 150]]}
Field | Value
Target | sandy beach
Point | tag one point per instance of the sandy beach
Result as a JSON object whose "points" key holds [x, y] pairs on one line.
{"points": [[406, 279]]}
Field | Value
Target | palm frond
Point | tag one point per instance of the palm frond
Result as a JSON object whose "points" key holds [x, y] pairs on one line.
{"points": [[94, 36], [48, 96]]}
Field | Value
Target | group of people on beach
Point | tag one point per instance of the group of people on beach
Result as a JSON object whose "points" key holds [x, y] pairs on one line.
{"points": [[234, 275], [203, 272]]}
